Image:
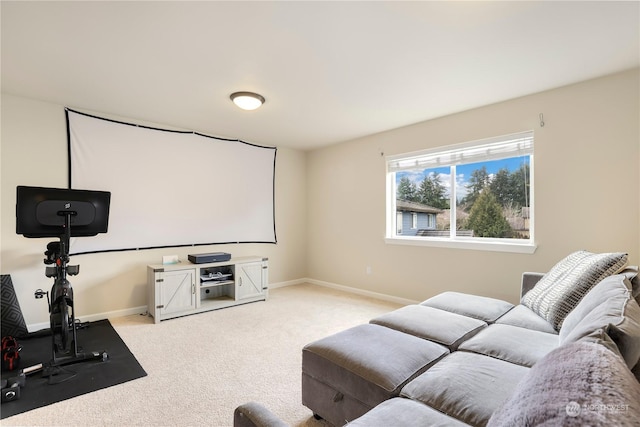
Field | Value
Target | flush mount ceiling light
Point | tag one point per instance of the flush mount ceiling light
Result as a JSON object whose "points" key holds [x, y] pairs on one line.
{"points": [[247, 100]]}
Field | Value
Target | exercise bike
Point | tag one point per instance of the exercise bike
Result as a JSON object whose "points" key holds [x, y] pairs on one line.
{"points": [[64, 342], [53, 212]]}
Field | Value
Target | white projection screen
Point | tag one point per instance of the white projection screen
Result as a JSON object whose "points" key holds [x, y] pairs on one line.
{"points": [[171, 188]]}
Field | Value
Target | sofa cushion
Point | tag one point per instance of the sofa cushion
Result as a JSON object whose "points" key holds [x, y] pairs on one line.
{"points": [[401, 412], [578, 384], [369, 362], [611, 308], [524, 317], [631, 273], [466, 386], [443, 327], [483, 308], [562, 288], [512, 344]]}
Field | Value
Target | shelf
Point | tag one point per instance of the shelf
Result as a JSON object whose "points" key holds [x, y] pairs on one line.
{"points": [[212, 283], [218, 276], [224, 302], [214, 300]]}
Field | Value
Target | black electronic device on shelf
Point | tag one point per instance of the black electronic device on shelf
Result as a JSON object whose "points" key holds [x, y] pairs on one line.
{"points": [[62, 213], [208, 258]]}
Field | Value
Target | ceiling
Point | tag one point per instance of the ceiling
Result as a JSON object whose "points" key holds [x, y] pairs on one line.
{"points": [[330, 71]]}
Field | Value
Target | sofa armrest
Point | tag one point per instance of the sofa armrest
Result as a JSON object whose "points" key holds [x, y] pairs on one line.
{"points": [[529, 280], [253, 414]]}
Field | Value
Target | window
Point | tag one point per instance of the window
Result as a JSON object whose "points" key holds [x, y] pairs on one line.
{"points": [[478, 195]]}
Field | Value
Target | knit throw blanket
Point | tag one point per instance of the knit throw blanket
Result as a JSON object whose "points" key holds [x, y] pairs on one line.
{"points": [[579, 384]]}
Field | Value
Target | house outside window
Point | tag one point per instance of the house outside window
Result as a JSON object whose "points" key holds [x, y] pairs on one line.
{"points": [[415, 218], [477, 195]]}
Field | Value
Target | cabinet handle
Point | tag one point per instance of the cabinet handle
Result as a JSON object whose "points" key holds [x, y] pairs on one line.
{"points": [[193, 288], [240, 281]]}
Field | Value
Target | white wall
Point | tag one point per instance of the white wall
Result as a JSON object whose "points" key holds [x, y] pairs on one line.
{"points": [[586, 193], [34, 152]]}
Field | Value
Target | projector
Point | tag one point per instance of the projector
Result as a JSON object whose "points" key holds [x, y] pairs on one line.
{"points": [[211, 257]]}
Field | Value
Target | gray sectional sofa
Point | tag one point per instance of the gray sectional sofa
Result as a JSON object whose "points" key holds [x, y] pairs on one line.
{"points": [[568, 354]]}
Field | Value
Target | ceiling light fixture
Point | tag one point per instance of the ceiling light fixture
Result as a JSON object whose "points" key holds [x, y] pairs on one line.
{"points": [[247, 100]]}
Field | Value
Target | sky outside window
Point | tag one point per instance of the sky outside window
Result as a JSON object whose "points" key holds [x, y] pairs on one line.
{"points": [[463, 173]]}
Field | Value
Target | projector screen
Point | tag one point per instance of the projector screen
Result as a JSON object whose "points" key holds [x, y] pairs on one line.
{"points": [[171, 188]]}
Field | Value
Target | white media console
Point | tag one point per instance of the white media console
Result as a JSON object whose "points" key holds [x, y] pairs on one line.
{"points": [[181, 289]]}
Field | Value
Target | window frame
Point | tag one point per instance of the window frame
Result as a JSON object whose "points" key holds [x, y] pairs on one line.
{"points": [[527, 246]]}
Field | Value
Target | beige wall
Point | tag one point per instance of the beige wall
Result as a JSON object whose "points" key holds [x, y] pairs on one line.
{"points": [[34, 152], [330, 203], [586, 193]]}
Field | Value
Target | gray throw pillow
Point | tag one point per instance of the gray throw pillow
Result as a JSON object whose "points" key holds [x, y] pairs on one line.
{"points": [[610, 308], [562, 288]]}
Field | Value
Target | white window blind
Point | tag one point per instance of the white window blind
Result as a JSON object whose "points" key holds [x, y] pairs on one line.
{"points": [[514, 145]]}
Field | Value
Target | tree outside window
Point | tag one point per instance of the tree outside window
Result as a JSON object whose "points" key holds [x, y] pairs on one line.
{"points": [[489, 197]]}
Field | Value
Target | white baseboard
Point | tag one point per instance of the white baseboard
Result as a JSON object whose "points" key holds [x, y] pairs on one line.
{"points": [[370, 294], [143, 309], [287, 283], [94, 317]]}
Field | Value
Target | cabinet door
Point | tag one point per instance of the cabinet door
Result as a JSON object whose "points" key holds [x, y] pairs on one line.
{"points": [[177, 292], [249, 281]]}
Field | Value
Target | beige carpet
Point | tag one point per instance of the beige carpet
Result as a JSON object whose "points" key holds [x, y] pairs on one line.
{"points": [[201, 367]]}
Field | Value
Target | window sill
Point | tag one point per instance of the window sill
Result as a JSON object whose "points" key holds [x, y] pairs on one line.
{"points": [[491, 245]]}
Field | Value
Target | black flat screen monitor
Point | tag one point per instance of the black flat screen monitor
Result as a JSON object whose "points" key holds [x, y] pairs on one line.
{"points": [[42, 212]]}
